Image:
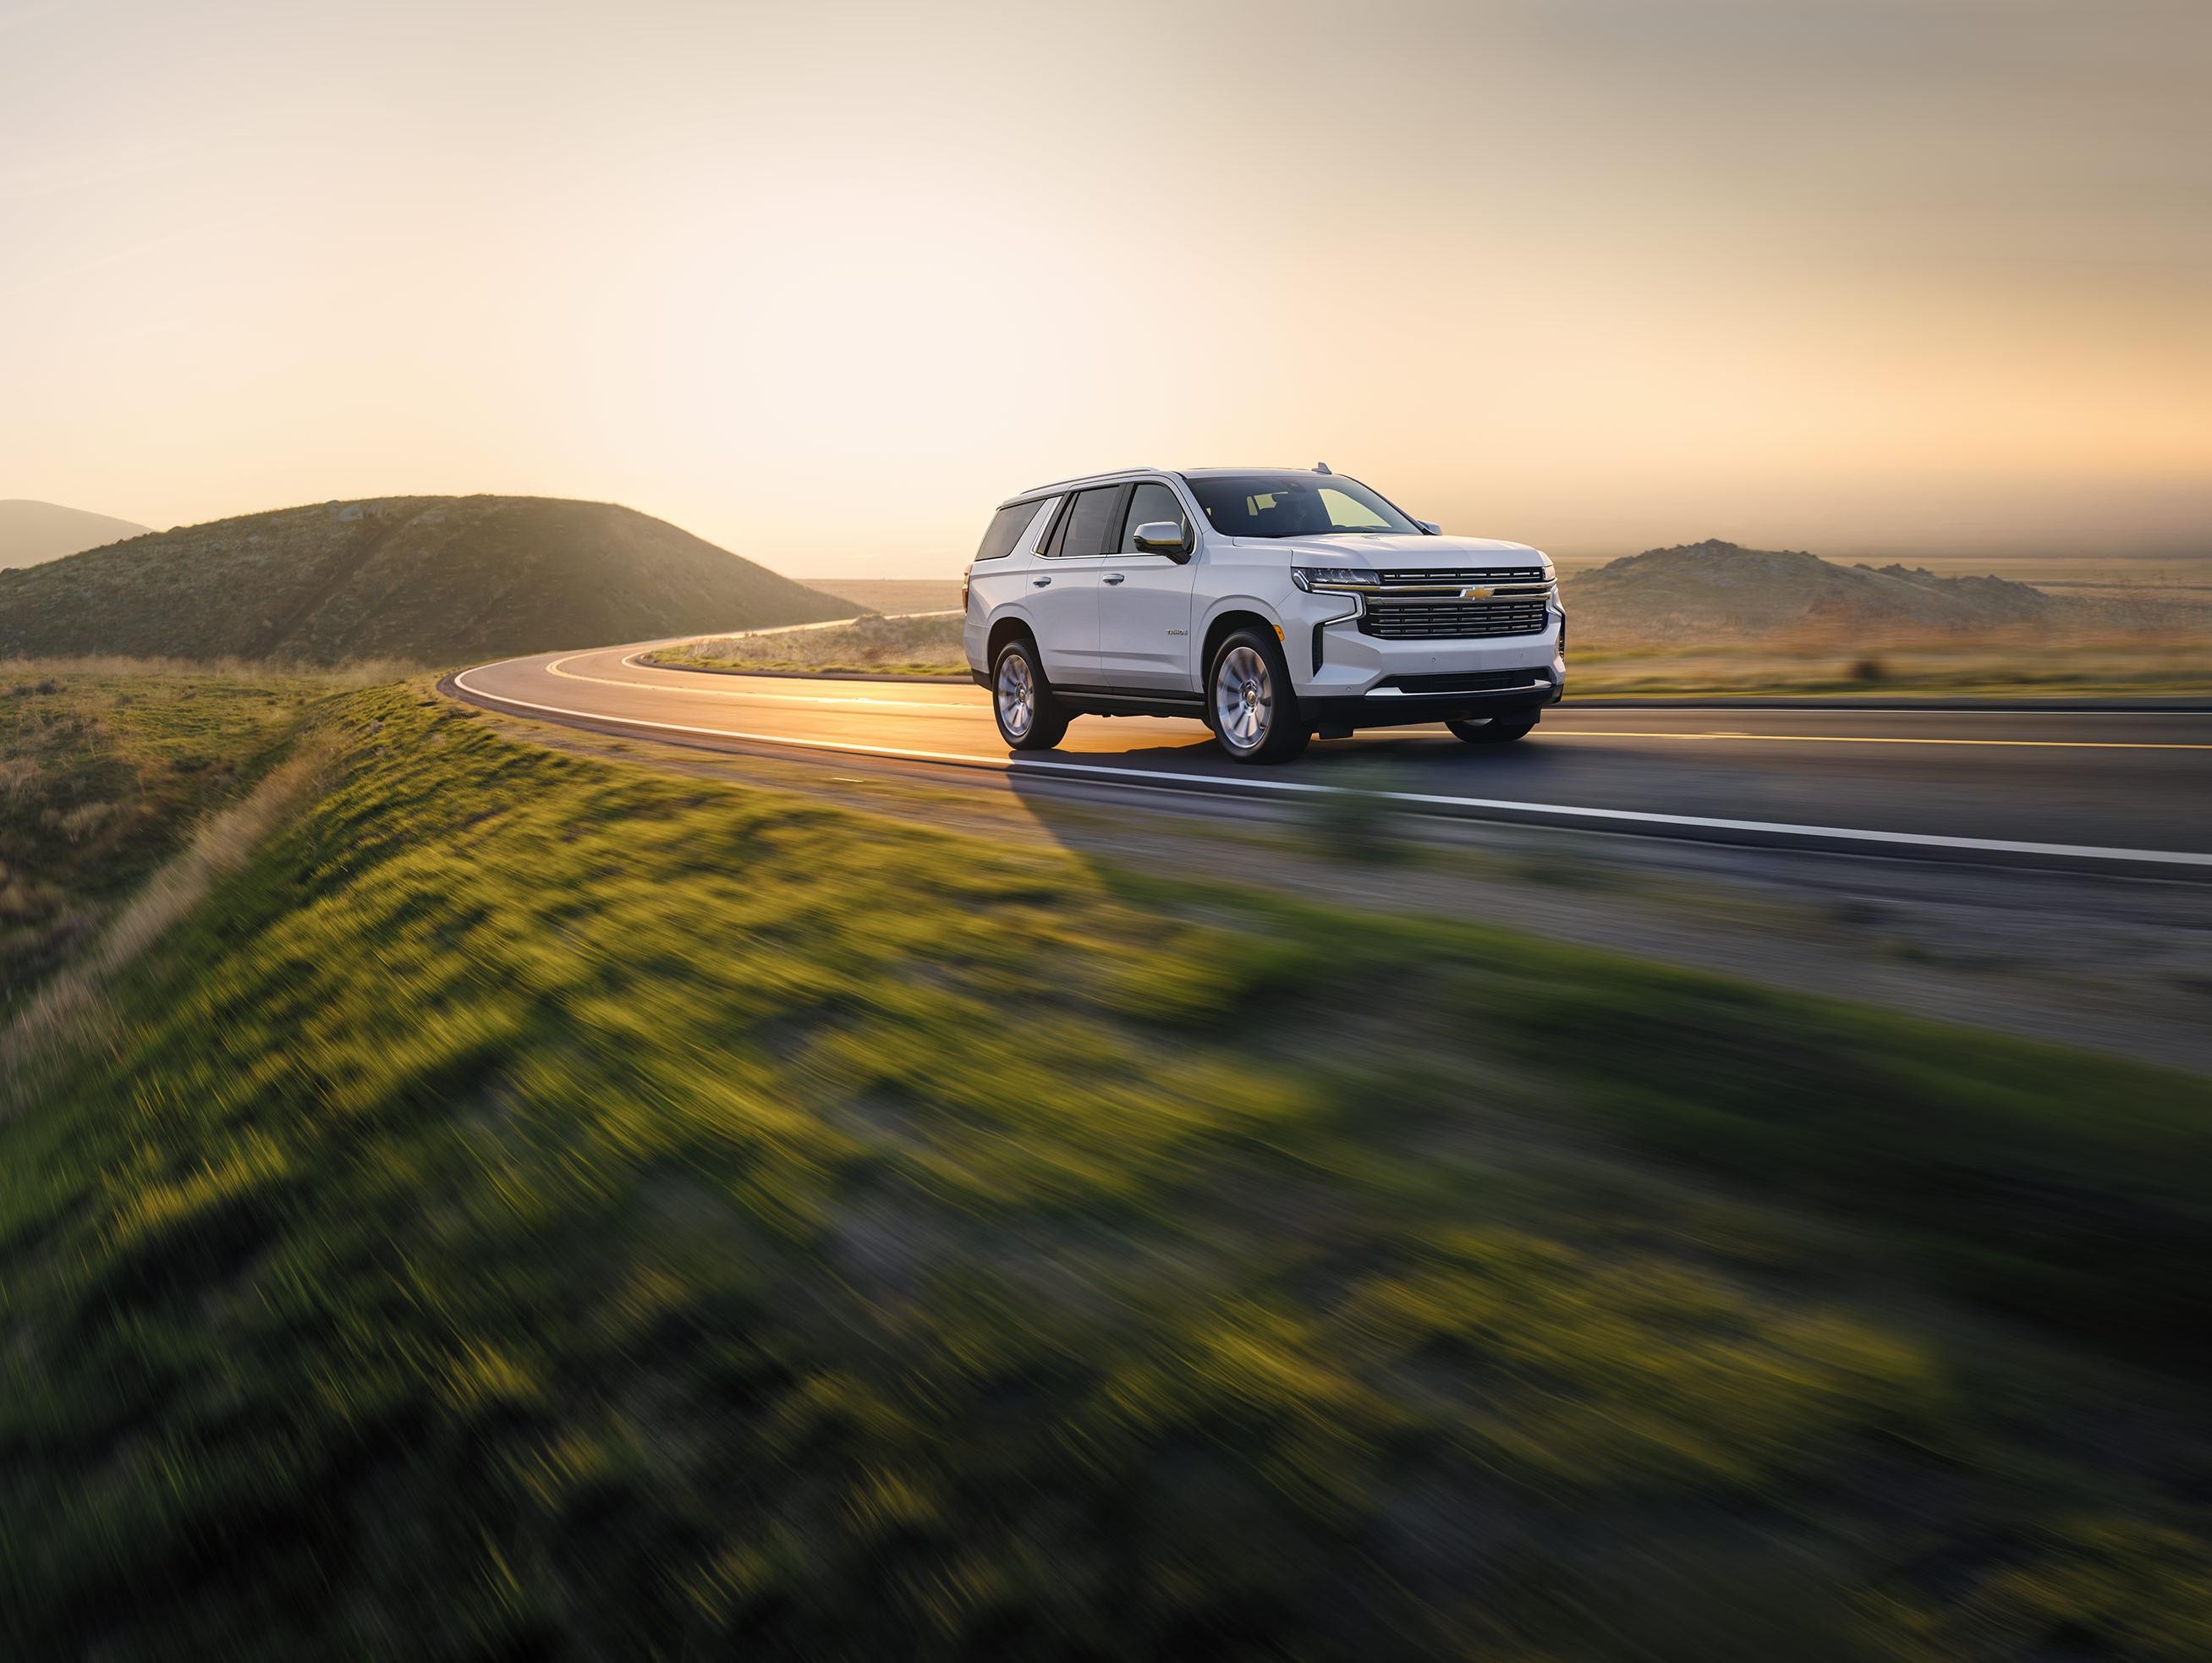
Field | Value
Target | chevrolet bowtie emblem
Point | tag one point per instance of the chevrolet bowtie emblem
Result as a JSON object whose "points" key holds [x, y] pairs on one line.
{"points": [[1476, 594]]}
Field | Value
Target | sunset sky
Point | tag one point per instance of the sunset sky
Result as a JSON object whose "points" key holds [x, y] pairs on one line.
{"points": [[822, 283]]}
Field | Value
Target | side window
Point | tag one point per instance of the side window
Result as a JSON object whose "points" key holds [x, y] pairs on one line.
{"points": [[1090, 527], [1006, 527], [1346, 514], [1039, 527], [1150, 501], [1055, 529]]}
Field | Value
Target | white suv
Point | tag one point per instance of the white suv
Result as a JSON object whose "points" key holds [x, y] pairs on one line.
{"points": [[1270, 603]]}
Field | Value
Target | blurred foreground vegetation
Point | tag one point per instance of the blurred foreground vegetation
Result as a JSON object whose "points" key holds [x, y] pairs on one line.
{"points": [[105, 766], [540, 1207]]}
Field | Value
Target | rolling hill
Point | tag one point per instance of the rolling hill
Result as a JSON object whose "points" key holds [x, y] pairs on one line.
{"points": [[1717, 586], [434, 580], [32, 533]]}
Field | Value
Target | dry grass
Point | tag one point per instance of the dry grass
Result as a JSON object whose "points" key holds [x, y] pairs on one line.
{"points": [[2096, 657], [870, 646], [339, 677], [105, 766], [66, 1012]]}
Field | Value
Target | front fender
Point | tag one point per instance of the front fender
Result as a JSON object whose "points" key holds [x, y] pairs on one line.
{"points": [[1216, 611]]}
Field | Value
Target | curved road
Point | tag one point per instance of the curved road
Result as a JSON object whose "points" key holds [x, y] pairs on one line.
{"points": [[2112, 790]]}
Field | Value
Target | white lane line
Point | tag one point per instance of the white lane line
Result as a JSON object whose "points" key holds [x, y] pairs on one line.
{"points": [[1558, 810]]}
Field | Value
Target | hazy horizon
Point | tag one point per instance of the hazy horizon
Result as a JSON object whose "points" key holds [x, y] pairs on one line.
{"points": [[1869, 278]]}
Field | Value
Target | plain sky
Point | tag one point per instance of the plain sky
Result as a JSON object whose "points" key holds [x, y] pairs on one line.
{"points": [[823, 281]]}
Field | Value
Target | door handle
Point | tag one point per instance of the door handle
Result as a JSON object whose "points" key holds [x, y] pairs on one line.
{"points": [[1116, 577], [1039, 583]]}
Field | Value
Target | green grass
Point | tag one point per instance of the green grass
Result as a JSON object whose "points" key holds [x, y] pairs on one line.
{"points": [[105, 768], [541, 1207]]}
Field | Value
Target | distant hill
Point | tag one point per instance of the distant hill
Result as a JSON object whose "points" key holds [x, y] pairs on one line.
{"points": [[436, 580], [889, 595], [32, 533], [1715, 586]]}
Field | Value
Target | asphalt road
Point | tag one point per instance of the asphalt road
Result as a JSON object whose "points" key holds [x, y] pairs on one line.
{"points": [[2112, 790]]}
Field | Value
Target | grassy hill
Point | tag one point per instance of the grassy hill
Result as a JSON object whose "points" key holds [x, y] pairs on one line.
{"points": [[432, 579], [541, 1208], [32, 533]]}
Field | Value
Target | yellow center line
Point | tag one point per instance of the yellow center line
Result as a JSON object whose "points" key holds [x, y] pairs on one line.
{"points": [[1867, 739]]}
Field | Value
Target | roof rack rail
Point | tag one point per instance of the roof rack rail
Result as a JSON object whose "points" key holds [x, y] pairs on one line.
{"points": [[1086, 479]]}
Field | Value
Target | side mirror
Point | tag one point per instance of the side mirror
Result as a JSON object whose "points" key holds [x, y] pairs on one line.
{"points": [[1162, 536], [1430, 527]]}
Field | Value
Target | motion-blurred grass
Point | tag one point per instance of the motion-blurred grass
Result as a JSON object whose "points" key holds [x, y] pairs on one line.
{"points": [[105, 766], [540, 1207]]}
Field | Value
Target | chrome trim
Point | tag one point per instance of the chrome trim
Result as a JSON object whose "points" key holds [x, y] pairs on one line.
{"points": [[1457, 592], [1470, 693]]}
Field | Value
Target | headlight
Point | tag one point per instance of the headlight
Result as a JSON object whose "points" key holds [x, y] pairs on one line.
{"points": [[1310, 578]]}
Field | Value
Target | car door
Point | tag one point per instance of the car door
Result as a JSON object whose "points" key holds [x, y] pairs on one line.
{"points": [[1062, 598], [1144, 600]]}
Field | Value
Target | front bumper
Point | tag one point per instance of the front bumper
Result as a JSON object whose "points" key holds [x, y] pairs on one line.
{"points": [[1397, 706], [1343, 674]]}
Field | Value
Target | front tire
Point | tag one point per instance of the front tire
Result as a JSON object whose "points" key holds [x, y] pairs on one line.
{"points": [[1249, 700], [1028, 717], [1498, 730]]}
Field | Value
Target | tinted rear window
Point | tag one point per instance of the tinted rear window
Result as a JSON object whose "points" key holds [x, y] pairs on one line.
{"points": [[1091, 526], [1007, 525]]}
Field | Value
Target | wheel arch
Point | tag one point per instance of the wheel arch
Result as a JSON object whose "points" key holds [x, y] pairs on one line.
{"points": [[1009, 626], [1231, 616]]}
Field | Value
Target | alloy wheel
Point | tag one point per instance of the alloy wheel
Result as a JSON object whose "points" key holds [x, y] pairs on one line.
{"points": [[1017, 695], [1243, 699]]}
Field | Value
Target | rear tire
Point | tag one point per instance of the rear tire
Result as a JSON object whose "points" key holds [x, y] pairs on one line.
{"points": [[1248, 702], [1028, 717], [1498, 730]]}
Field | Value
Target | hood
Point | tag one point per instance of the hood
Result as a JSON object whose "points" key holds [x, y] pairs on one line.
{"points": [[1405, 551]]}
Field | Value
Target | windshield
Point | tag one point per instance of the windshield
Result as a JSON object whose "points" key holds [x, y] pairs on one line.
{"points": [[1293, 505]]}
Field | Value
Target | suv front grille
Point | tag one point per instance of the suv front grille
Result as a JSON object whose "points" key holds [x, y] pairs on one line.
{"points": [[1507, 600], [1444, 619]]}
